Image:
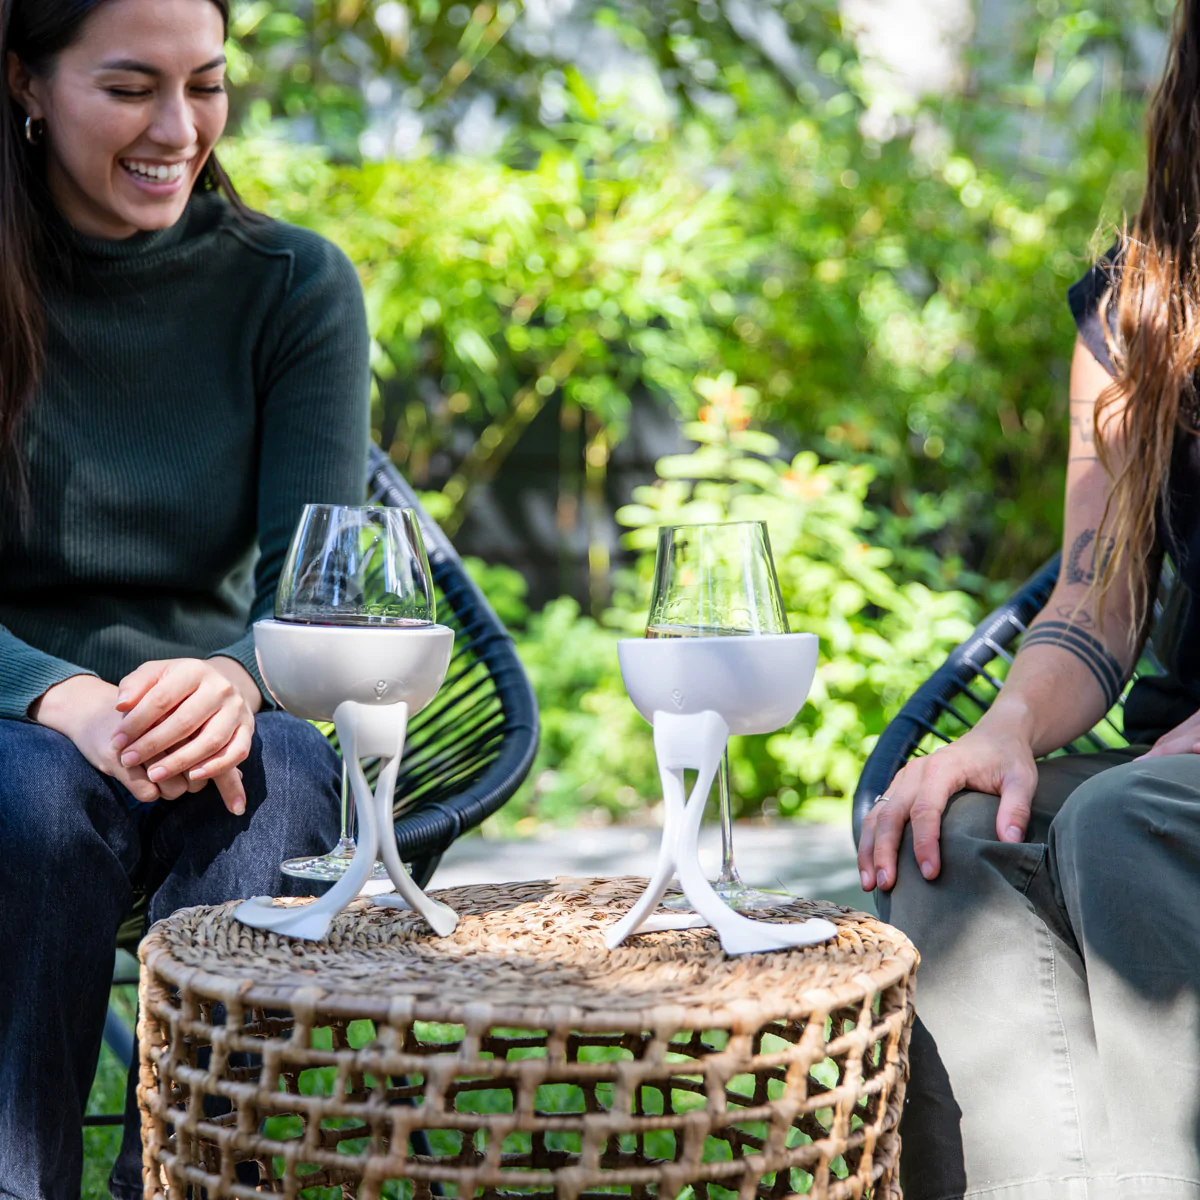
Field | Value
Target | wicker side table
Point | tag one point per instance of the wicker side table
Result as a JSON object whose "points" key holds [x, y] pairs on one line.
{"points": [[518, 1057]]}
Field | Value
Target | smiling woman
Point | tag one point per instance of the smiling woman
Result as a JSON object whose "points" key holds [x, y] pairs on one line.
{"points": [[133, 133], [178, 377]]}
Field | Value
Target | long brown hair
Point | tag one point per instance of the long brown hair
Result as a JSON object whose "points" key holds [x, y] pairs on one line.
{"points": [[37, 31], [1156, 350]]}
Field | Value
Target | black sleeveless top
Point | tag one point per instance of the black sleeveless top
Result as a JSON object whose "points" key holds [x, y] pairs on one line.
{"points": [[1155, 705]]}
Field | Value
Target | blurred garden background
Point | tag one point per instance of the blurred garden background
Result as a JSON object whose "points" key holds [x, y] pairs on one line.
{"points": [[630, 262]]}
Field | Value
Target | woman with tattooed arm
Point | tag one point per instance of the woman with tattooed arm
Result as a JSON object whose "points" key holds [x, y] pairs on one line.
{"points": [[1056, 1052]]}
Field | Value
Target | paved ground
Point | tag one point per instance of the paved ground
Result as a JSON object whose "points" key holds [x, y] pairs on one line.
{"points": [[816, 861]]}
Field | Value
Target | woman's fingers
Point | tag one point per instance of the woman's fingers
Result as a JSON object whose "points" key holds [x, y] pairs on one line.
{"points": [[926, 818], [232, 754], [941, 778], [178, 679], [1178, 741], [1183, 739], [1016, 801], [1165, 745], [140, 788], [229, 784], [137, 683], [191, 715], [921, 790], [173, 788], [866, 851], [893, 813], [875, 852], [201, 744]]}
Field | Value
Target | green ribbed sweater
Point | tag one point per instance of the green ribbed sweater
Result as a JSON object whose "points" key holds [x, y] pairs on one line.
{"points": [[202, 383]]}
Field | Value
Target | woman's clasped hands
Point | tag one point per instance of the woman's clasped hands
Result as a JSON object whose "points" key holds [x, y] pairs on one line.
{"points": [[170, 727]]}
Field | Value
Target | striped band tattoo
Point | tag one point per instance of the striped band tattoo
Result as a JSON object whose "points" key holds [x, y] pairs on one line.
{"points": [[1087, 649]]}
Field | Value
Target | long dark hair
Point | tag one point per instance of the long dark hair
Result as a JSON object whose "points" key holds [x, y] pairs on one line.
{"points": [[37, 31], [1157, 346]]}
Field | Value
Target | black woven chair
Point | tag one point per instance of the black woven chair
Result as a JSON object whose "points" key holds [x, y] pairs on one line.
{"points": [[465, 754], [962, 689]]}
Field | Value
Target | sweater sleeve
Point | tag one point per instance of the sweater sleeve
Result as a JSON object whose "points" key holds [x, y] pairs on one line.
{"points": [[27, 673], [314, 413]]}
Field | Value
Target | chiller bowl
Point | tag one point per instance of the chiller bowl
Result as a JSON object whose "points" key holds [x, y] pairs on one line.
{"points": [[311, 669], [756, 682]]}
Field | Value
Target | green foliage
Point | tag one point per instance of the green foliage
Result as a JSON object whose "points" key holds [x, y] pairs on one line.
{"points": [[490, 289], [596, 760], [880, 636], [912, 315], [897, 300], [338, 69], [892, 301]]}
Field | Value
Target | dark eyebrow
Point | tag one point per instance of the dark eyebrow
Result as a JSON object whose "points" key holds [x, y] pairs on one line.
{"points": [[141, 68]]}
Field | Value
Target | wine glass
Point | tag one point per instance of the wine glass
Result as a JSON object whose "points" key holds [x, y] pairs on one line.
{"points": [[719, 581], [353, 565]]}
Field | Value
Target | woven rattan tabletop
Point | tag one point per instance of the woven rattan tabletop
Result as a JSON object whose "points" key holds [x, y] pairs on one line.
{"points": [[520, 1057], [522, 946]]}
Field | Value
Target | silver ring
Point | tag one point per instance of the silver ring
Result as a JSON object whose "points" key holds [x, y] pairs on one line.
{"points": [[881, 799]]}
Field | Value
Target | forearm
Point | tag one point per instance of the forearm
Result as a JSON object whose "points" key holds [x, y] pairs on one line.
{"points": [[1068, 673], [1080, 650]]}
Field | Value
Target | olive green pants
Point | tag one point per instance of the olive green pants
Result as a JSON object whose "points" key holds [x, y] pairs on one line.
{"points": [[1056, 1054]]}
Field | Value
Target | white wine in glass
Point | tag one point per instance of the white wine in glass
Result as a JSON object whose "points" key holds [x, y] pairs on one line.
{"points": [[356, 565], [719, 581]]}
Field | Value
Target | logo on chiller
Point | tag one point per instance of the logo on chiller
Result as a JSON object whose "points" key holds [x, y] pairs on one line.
{"points": [[381, 689], [678, 697]]}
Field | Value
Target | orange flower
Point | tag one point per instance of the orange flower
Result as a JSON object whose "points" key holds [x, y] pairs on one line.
{"points": [[807, 487], [727, 406]]}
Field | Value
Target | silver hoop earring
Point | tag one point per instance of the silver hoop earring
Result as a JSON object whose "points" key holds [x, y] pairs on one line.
{"points": [[34, 131]]}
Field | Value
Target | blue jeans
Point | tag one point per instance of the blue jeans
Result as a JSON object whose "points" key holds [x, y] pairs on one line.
{"points": [[72, 852]]}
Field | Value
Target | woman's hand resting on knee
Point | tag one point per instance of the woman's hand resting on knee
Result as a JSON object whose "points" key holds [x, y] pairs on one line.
{"points": [[993, 758], [169, 727]]}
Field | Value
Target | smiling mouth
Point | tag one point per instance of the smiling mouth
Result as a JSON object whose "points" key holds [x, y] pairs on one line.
{"points": [[155, 172]]}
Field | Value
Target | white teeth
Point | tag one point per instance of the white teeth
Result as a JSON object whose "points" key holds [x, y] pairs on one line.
{"points": [[154, 171]]}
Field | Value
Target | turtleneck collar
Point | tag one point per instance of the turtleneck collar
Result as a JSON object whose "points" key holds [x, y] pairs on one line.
{"points": [[198, 213], [124, 249]]}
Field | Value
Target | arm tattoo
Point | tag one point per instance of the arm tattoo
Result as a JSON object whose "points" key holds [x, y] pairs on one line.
{"points": [[1077, 570], [1085, 427], [1075, 616], [1107, 672]]}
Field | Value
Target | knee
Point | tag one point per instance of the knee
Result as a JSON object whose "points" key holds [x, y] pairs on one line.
{"points": [[1104, 820], [292, 765], [49, 797], [968, 825]]}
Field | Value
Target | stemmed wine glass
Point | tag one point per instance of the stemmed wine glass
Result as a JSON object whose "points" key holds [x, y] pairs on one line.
{"points": [[353, 565], [719, 581]]}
